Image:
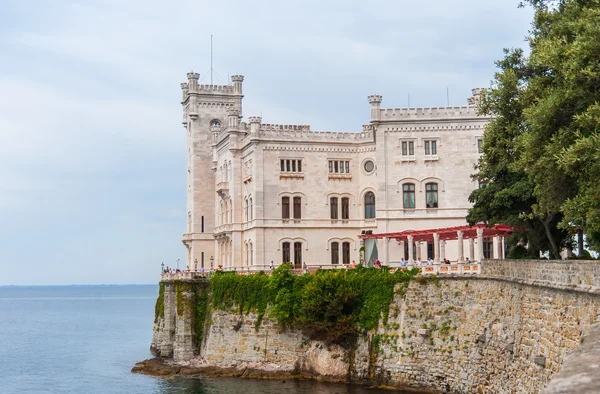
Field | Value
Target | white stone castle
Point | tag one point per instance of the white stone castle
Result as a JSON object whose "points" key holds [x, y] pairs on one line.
{"points": [[259, 193]]}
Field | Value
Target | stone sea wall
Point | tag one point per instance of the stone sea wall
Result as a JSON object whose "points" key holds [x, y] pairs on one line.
{"points": [[507, 330]]}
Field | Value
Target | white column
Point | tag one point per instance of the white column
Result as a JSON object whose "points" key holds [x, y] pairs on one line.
{"points": [[418, 246], [497, 248], [461, 253], [386, 251], [503, 247], [442, 250], [402, 254], [479, 244], [472, 249], [436, 247], [411, 245]]}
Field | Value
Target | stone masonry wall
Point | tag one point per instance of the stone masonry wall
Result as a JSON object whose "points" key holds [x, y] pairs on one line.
{"points": [[507, 330]]}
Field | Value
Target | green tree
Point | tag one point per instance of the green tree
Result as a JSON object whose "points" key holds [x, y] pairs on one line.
{"points": [[541, 147]]}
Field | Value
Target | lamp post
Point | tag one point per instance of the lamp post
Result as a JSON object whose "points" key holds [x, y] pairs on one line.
{"points": [[196, 265], [177, 263], [212, 261], [162, 267]]}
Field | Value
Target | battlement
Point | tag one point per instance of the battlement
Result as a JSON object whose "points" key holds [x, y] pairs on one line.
{"points": [[375, 99], [215, 88], [303, 133], [284, 127], [403, 114]]}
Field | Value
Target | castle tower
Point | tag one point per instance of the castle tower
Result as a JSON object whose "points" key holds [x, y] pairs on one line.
{"points": [[205, 117]]}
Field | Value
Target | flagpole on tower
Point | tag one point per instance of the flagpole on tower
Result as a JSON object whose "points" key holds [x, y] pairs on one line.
{"points": [[211, 61]]}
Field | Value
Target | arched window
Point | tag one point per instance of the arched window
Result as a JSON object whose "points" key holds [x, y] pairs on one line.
{"points": [[335, 253], [215, 123], [251, 209], [346, 252], [431, 195], [345, 208], [222, 212], [370, 205], [285, 209], [285, 258], [251, 253], [297, 207], [333, 207], [246, 208], [298, 254], [408, 192]]}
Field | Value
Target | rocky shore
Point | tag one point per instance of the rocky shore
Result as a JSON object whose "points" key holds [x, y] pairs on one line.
{"points": [[167, 368]]}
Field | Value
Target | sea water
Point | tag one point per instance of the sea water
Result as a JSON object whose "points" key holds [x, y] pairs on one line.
{"points": [[85, 339]]}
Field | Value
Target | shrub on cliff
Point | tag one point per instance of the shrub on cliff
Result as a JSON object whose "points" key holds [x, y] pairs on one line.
{"points": [[331, 305]]}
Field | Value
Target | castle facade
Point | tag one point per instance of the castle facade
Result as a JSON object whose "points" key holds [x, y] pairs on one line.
{"points": [[259, 193]]}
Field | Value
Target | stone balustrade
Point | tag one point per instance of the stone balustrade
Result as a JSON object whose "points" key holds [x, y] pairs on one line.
{"points": [[435, 269]]}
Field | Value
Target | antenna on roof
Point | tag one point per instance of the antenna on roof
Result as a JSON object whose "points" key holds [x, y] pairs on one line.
{"points": [[409, 100], [447, 96], [211, 67]]}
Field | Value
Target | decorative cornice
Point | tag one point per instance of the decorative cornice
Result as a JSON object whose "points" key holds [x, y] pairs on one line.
{"points": [[434, 128], [317, 149]]}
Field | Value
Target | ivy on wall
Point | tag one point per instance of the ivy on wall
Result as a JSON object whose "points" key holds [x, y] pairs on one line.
{"points": [[331, 305]]}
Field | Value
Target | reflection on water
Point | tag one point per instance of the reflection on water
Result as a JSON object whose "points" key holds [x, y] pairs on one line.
{"points": [[253, 386]]}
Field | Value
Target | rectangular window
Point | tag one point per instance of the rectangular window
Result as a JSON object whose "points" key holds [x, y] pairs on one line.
{"points": [[430, 148], [297, 208], [202, 260], [346, 253], [202, 223], [430, 254], [339, 167], [479, 145], [291, 165], [285, 207], [345, 208], [335, 253], [404, 148], [411, 148], [333, 205], [285, 258]]}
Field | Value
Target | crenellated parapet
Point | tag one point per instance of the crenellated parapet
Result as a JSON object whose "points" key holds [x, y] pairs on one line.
{"points": [[431, 113], [285, 127], [301, 133]]}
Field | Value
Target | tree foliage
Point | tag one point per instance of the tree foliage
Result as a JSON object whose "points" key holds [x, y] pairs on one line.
{"points": [[541, 146]]}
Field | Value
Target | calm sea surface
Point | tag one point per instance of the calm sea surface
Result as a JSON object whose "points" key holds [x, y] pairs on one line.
{"points": [[85, 339]]}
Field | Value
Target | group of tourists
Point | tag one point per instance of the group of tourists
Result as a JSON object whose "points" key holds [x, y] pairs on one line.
{"points": [[419, 263]]}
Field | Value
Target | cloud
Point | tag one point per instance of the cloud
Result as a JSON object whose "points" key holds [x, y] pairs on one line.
{"points": [[92, 152]]}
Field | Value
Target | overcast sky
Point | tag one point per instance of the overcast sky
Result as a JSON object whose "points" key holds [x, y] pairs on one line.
{"points": [[92, 152]]}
